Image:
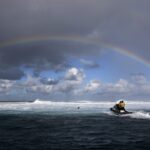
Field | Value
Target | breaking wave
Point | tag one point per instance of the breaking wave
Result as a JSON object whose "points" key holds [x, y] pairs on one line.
{"points": [[141, 109]]}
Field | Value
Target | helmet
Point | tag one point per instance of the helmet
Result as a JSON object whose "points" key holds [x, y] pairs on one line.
{"points": [[120, 101], [122, 104]]}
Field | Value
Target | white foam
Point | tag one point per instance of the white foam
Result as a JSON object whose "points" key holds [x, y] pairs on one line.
{"points": [[74, 107], [140, 115]]}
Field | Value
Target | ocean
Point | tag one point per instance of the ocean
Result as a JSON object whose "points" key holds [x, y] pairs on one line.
{"points": [[84, 125]]}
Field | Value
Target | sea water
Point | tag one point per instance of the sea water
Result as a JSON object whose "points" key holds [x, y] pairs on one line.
{"points": [[82, 125]]}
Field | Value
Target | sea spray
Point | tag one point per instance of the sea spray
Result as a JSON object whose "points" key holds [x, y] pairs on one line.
{"points": [[140, 115], [140, 109]]}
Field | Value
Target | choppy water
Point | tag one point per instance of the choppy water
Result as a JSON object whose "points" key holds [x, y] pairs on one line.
{"points": [[61, 125]]}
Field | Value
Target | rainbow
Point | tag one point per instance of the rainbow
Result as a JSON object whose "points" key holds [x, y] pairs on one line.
{"points": [[84, 40]]}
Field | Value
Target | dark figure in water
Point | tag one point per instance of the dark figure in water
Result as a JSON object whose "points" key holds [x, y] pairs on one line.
{"points": [[78, 107], [120, 106]]}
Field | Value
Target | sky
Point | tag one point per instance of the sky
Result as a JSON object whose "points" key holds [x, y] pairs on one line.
{"points": [[66, 50]]}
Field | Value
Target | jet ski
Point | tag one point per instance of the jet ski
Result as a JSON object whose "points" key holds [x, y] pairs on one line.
{"points": [[117, 112]]}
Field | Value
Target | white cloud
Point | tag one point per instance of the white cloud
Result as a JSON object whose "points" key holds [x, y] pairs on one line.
{"points": [[34, 84], [122, 86], [93, 85], [72, 80], [73, 83], [139, 78], [75, 74], [6, 85]]}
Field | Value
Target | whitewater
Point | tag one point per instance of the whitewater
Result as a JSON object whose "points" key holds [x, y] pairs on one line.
{"points": [[141, 109]]}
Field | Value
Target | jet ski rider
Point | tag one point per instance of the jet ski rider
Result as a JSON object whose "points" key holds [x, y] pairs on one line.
{"points": [[120, 106]]}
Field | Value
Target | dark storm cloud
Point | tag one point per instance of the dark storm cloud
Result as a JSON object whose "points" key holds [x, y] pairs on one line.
{"points": [[11, 73], [43, 55], [120, 22], [117, 22]]}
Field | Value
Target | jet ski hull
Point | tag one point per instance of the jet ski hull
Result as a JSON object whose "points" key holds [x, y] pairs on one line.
{"points": [[120, 113]]}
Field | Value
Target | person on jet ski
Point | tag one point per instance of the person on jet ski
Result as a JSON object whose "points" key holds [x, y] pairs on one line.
{"points": [[120, 106]]}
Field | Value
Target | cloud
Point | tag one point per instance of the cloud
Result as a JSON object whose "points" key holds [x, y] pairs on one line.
{"points": [[71, 80], [49, 81], [121, 89], [93, 85], [75, 74], [121, 23], [122, 86], [35, 85], [41, 56], [139, 78], [89, 63], [11, 73], [73, 84], [6, 86], [116, 23]]}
